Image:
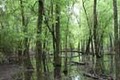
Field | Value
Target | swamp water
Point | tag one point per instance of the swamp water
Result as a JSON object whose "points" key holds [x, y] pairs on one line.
{"points": [[79, 68]]}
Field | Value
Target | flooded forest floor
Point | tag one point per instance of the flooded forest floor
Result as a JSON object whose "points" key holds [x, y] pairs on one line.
{"points": [[8, 71], [83, 67]]}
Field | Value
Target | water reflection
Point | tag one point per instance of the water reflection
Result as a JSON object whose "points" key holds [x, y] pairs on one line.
{"points": [[76, 78], [102, 67], [99, 67], [28, 75]]}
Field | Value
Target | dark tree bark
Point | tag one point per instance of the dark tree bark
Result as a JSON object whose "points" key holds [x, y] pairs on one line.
{"points": [[57, 59], [39, 41], [95, 25], [66, 46], [55, 32], [90, 29], [44, 52], [20, 42], [116, 40]]}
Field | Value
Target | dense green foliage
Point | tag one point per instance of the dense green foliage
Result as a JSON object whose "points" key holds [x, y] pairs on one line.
{"points": [[11, 28], [63, 25]]}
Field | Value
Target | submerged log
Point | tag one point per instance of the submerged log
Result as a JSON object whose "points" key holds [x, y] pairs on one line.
{"points": [[78, 63], [91, 75], [80, 52], [98, 77], [110, 54], [72, 51]]}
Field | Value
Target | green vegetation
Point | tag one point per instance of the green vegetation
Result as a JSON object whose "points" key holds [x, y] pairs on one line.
{"points": [[51, 35]]}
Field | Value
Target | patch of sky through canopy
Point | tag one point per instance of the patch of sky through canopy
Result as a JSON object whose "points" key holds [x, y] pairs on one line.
{"points": [[76, 21], [2, 5]]}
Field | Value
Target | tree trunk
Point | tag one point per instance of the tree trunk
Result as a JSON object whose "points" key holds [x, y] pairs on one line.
{"points": [[95, 29], [116, 40], [26, 56], [57, 59], [26, 60], [39, 41], [66, 46]]}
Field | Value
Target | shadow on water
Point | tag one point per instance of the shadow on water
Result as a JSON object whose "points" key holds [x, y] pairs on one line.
{"points": [[28, 75], [24, 74]]}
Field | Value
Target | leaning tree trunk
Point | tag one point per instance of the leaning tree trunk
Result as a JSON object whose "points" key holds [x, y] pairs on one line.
{"points": [[116, 40], [89, 26], [39, 42]]}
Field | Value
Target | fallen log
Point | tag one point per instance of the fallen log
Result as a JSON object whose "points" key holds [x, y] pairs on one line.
{"points": [[72, 51], [82, 53], [78, 63], [98, 77], [93, 76]]}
